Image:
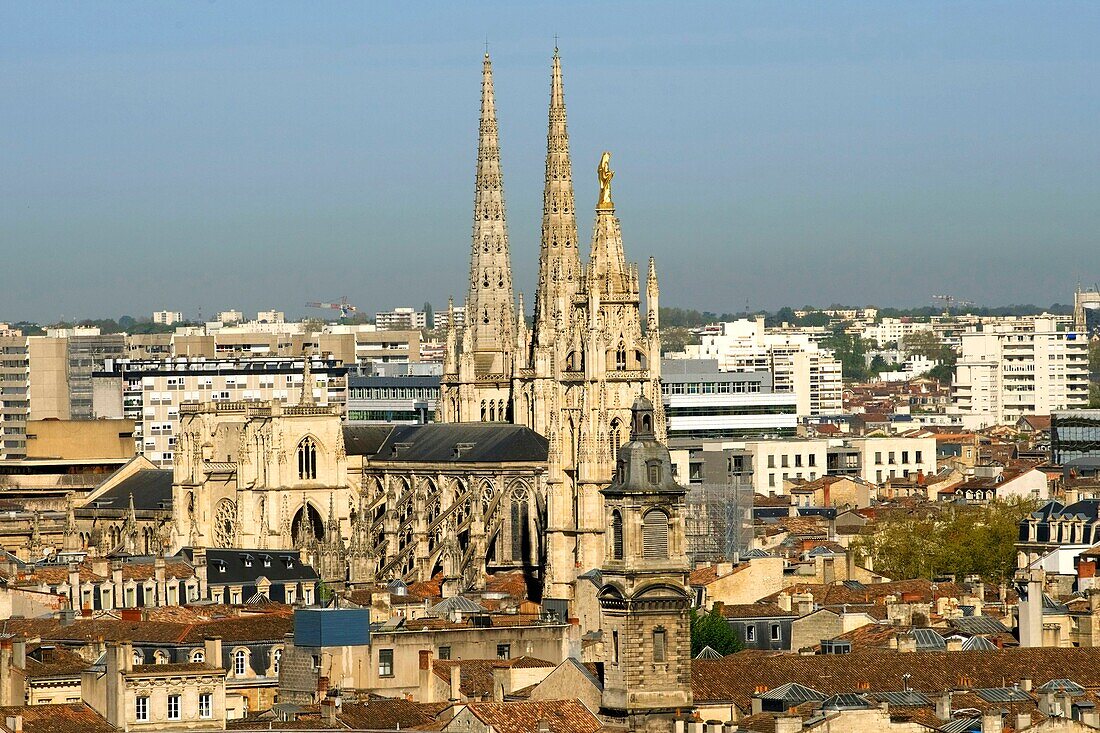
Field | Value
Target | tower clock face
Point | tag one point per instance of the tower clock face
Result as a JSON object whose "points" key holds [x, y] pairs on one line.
{"points": [[225, 523]]}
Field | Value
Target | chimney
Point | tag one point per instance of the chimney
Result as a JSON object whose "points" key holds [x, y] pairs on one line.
{"points": [[500, 683], [159, 577], [1023, 720], [543, 726], [212, 648], [1025, 684], [943, 706], [1067, 705], [784, 601], [1047, 705], [907, 643], [695, 726], [426, 678], [328, 710], [74, 585], [992, 722], [19, 652], [15, 723], [788, 724], [954, 644], [116, 581], [100, 567], [5, 672], [198, 561], [456, 683]]}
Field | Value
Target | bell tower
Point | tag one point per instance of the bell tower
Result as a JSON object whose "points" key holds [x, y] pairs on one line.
{"points": [[645, 601]]}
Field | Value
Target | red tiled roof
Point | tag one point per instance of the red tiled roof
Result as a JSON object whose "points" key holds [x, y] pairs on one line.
{"points": [[69, 718], [561, 716], [477, 674]]}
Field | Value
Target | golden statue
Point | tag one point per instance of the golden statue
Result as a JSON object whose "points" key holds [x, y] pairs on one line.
{"points": [[604, 174]]}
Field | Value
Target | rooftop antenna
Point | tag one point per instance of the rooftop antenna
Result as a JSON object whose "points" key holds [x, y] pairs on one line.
{"points": [[486, 45], [555, 41]]}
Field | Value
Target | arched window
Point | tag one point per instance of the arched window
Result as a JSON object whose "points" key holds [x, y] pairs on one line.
{"points": [[198, 656], [616, 535], [484, 412], [615, 438], [276, 660], [240, 659], [139, 657], [655, 535], [307, 459], [492, 411], [620, 357], [160, 657]]}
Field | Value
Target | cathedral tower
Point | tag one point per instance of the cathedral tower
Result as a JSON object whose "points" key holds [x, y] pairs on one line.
{"points": [[645, 601]]}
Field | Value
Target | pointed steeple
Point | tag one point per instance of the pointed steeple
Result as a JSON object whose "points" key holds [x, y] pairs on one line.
{"points": [[652, 293], [490, 321], [307, 380], [559, 261], [608, 273]]}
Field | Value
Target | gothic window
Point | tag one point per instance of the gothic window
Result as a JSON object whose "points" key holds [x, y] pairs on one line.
{"points": [[277, 658], [484, 412], [225, 523], [620, 357], [492, 411], [307, 459], [616, 535], [519, 529], [615, 438], [655, 535], [660, 644]]}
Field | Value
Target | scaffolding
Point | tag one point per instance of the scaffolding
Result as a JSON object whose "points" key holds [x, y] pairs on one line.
{"points": [[719, 520]]}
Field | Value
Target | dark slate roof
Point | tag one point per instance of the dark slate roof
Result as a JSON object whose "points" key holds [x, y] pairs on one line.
{"points": [[151, 488], [365, 440], [463, 443], [977, 625], [236, 570]]}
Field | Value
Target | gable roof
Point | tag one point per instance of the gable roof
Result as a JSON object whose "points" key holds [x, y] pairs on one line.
{"points": [[365, 440], [150, 487], [69, 718]]}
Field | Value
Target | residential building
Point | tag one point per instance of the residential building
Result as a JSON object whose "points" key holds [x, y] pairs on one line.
{"points": [[272, 316], [702, 402], [1009, 370], [151, 392], [230, 317], [14, 396], [893, 331], [1075, 439], [401, 319], [167, 318], [796, 362], [443, 319]]}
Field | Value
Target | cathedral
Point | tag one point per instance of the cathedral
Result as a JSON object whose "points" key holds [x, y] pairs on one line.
{"points": [[530, 426], [575, 373]]}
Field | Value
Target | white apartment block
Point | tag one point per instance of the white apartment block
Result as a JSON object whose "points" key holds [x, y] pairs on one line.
{"points": [[167, 318], [443, 319], [271, 316], [401, 319], [794, 359], [893, 331], [1019, 367], [230, 316], [150, 392], [770, 463]]}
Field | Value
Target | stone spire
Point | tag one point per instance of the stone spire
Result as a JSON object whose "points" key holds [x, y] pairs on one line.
{"points": [[559, 261], [490, 318], [652, 293], [608, 273], [307, 380]]}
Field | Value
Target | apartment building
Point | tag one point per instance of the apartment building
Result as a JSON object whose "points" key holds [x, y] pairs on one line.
{"points": [[167, 318], [14, 397], [768, 464], [401, 319], [702, 402], [793, 358], [894, 331], [151, 392], [443, 318], [1019, 367]]}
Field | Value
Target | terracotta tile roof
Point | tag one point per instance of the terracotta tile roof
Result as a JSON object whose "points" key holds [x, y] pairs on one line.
{"points": [[69, 718], [735, 677], [838, 594], [513, 584], [389, 714], [252, 627], [173, 669], [709, 573], [427, 588], [55, 663], [561, 716], [477, 674]]}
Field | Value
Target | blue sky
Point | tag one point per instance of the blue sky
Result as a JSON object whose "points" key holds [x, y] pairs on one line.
{"points": [[212, 154]]}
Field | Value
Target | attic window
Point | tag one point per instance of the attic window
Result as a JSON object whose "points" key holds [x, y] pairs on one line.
{"points": [[289, 563], [247, 559], [267, 561], [400, 448], [462, 449]]}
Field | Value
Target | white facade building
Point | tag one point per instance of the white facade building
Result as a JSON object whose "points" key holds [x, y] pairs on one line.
{"points": [[893, 331], [401, 319], [167, 318], [794, 359], [1011, 369]]}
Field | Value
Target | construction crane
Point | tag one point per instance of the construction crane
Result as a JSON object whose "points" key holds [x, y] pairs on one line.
{"points": [[342, 305], [949, 301]]}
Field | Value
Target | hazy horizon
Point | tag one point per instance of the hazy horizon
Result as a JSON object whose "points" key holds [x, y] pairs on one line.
{"points": [[253, 155]]}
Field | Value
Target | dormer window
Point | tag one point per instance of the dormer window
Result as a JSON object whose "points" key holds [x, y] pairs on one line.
{"points": [[267, 561], [220, 565], [247, 560], [289, 563], [653, 469]]}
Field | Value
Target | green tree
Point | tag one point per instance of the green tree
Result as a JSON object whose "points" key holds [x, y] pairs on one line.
{"points": [[713, 630], [429, 315], [922, 343]]}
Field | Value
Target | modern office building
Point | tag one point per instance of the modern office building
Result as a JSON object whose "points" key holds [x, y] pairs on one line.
{"points": [[1027, 367], [702, 402], [1075, 439], [405, 394]]}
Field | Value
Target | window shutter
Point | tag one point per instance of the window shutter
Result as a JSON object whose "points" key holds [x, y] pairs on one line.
{"points": [[616, 536], [655, 536]]}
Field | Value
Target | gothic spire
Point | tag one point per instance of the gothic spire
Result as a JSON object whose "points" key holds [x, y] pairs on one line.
{"points": [[608, 273], [490, 320], [307, 380], [559, 261]]}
